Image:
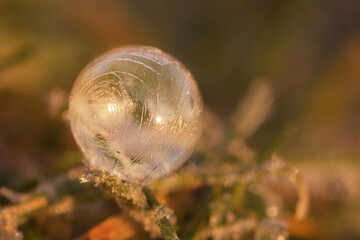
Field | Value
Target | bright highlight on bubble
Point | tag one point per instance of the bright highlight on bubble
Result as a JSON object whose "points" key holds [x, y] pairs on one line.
{"points": [[158, 119], [136, 112]]}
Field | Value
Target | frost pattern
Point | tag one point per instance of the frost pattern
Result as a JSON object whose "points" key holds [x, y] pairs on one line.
{"points": [[136, 113]]}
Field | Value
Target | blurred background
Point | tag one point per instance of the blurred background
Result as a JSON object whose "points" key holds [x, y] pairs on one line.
{"points": [[306, 53]]}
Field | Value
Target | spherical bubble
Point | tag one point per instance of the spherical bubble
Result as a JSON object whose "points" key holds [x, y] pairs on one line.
{"points": [[136, 112]]}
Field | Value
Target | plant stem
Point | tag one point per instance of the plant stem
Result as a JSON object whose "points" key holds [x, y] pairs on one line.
{"points": [[162, 221]]}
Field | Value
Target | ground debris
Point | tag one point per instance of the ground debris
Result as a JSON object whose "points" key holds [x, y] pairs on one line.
{"points": [[117, 227]]}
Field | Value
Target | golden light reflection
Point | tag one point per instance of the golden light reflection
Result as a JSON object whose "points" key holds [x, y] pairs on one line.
{"points": [[158, 119], [111, 107]]}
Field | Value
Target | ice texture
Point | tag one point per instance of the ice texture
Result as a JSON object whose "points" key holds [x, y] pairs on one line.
{"points": [[136, 112]]}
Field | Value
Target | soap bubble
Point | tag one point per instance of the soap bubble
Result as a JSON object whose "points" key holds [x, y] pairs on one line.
{"points": [[136, 112]]}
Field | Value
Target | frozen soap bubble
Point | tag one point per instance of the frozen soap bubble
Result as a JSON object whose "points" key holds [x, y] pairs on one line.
{"points": [[136, 112]]}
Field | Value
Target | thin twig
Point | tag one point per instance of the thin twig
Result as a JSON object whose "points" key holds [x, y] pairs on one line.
{"points": [[162, 221]]}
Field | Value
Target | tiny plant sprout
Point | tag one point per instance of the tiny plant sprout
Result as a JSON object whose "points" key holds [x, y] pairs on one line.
{"points": [[136, 113]]}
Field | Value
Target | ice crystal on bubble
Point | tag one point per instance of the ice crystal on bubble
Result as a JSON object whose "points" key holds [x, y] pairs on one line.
{"points": [[136, 113]]}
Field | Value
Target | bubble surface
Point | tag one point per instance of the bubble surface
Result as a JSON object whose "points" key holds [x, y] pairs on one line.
{"points": [[136, 112]]}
